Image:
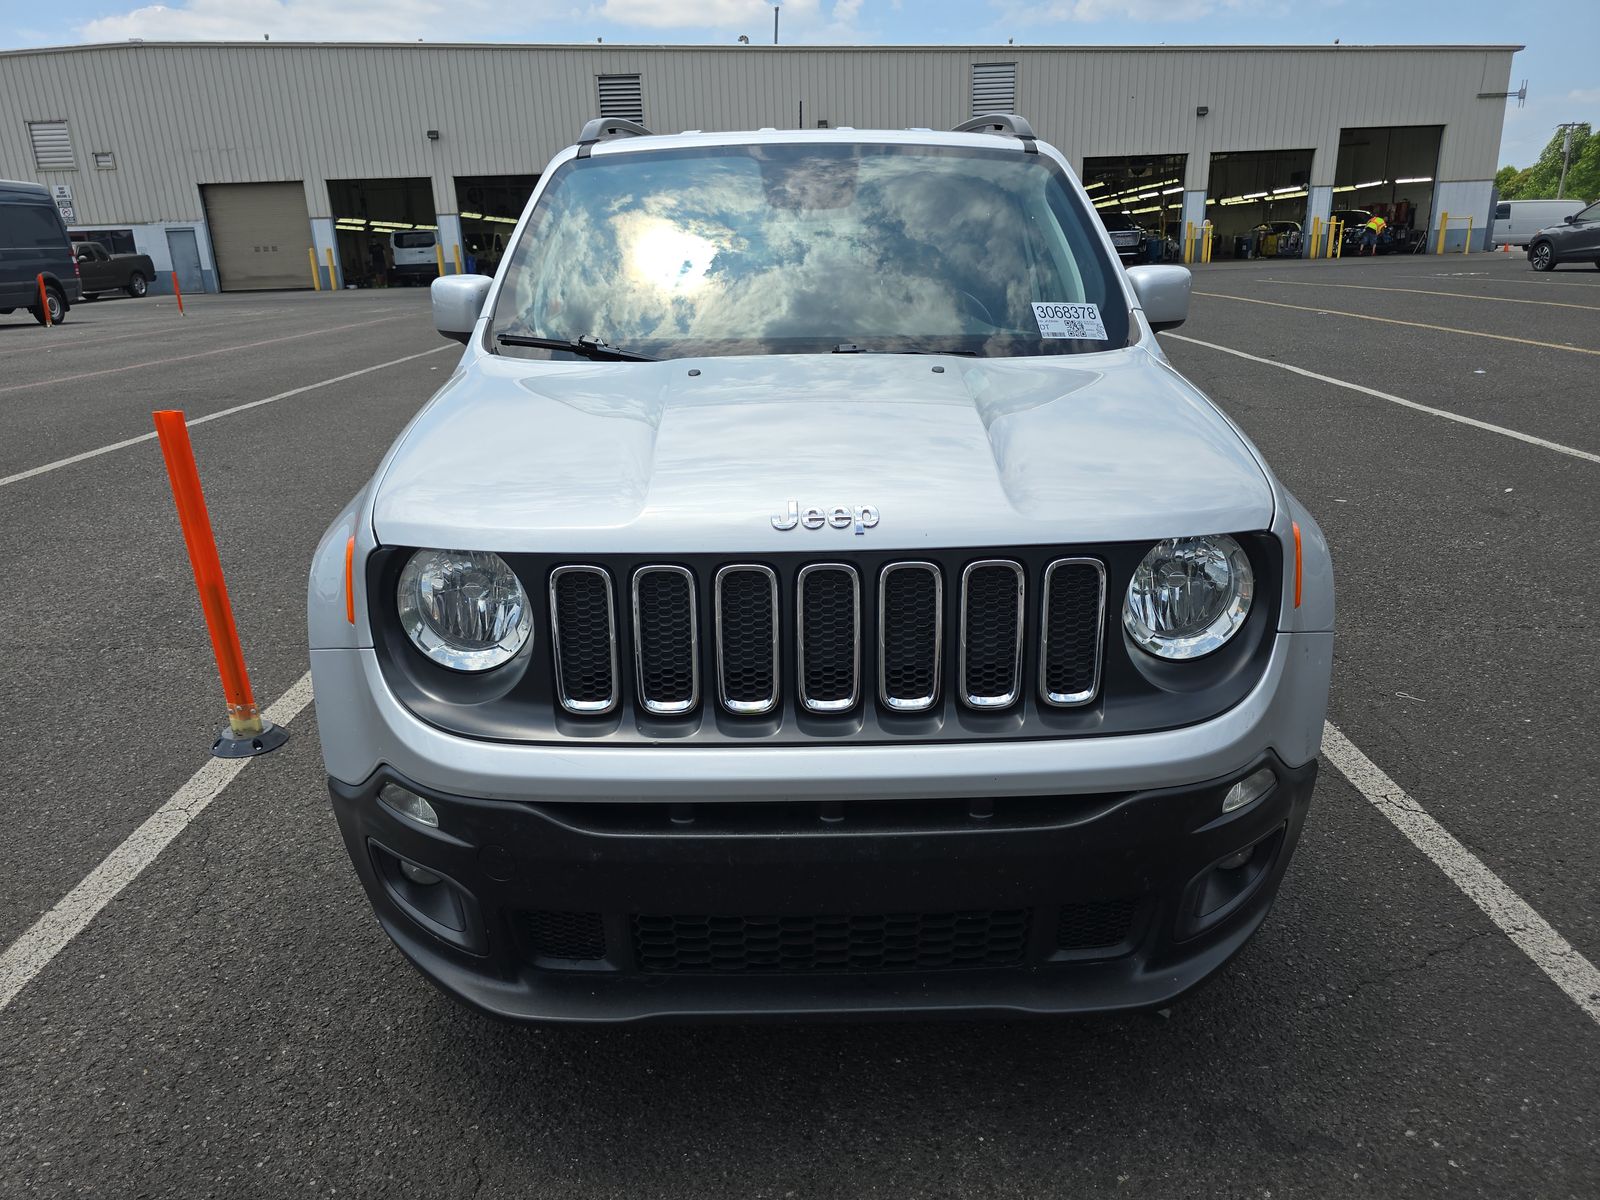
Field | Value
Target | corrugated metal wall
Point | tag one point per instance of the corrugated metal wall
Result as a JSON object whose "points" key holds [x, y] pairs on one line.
{"points": [[179, 115]]}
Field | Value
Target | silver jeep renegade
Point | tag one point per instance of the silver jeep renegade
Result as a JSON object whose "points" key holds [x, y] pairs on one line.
{"points": [[815, 593]]}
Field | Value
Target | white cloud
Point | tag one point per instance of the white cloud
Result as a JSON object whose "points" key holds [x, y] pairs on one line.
{"points": [[1590, 96], [801, 20], [746, 16], [288, 20], [1135, 10]]}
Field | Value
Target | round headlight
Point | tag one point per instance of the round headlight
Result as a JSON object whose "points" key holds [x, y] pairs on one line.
{"points": [[1189, 596], [465, 609]]}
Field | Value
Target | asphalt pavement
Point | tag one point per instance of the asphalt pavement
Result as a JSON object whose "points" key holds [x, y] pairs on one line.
{"points": [[234, 1024]]}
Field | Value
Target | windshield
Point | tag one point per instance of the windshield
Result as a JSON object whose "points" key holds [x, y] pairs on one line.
{"points": [[810, 249]]}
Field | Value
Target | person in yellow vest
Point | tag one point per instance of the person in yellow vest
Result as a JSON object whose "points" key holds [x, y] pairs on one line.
{"points": [[1371, 232]]}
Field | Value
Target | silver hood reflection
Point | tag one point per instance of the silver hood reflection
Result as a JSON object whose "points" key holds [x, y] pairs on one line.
{"points": [[581, 458]]}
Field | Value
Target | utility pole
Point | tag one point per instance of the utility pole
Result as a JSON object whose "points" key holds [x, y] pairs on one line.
{"points": [[1566, 155]]}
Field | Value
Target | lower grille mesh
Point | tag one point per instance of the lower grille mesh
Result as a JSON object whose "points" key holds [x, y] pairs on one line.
{"points": [[569, 936], [881, 942], [1098, 925]]}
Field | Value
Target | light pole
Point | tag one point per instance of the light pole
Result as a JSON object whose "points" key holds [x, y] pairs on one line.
{"points": [[1566, 155]]}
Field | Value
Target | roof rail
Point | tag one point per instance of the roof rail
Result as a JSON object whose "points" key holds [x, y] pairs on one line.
{"points": [[600, 129], [1006, 124]]}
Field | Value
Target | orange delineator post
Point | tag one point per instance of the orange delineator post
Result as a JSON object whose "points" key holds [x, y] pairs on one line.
{"points": [[244, 719], [44, 303], [178, 292]]}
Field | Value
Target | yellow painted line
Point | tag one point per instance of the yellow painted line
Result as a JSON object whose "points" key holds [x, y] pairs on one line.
{"points": [[1367, 287], [1339, 312]]}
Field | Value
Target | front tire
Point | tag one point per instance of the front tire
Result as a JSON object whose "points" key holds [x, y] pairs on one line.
{"points": [[1543, 257], [57, 303], [137, 285]]}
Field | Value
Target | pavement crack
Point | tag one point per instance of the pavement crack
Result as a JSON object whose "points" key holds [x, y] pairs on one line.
{"points": [[1392, 977]]}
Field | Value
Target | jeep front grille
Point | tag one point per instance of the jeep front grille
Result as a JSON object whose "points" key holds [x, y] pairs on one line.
{"points": [[808, 636], [992, 595], [910, 635], [666, 640], [1069, 652], [828, 608], [582, 617], [747, 639]]}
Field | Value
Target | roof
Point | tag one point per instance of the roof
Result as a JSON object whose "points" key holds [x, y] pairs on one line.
{"points": [[756, 48]]}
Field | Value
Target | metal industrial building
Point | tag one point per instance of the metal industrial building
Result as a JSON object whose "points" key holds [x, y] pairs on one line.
{"points": [[235, 164]]}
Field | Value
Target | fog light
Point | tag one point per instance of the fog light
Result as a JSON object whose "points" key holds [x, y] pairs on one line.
{"points": [[418, 875], [1247, 791], [413, 807], [1234, 861]]}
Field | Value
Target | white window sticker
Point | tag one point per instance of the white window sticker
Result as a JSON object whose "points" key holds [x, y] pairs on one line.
{"points": [[1069, 321]]}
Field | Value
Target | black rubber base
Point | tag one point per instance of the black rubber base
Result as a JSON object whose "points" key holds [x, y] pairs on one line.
{"points": [[231, 745]]}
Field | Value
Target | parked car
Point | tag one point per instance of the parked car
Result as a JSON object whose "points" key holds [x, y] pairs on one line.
{"points": [[1577, 239], [1127, 235], [34, 243], [1516, 221], [100, 271], [814, 593], [415, 259]]}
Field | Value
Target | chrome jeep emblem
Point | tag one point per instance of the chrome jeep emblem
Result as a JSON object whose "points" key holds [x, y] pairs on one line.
{"points": [[839, 516]]}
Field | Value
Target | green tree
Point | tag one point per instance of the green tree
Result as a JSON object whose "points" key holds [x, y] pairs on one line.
{"points": [[1539, 182]]}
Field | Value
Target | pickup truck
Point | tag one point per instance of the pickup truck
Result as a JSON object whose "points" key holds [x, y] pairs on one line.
{"points": [[104, 272]]}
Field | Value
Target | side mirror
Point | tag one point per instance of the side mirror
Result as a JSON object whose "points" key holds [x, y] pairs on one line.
{"points": [[1163, 294], [457, 303]]}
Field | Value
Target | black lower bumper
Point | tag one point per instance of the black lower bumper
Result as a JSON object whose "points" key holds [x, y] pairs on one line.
{"points": [[1011, 906]]}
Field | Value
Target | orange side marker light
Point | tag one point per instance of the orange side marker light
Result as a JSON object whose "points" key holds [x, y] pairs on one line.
{"points": [[350, 580], [1297, 564]]}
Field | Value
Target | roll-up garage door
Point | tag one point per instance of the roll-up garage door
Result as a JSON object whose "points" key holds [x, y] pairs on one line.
{"points": [[260, 233]]}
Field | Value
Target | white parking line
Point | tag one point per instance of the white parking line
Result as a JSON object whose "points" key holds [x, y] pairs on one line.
{"points": [[216, 416], [33, 951], [1400, 400], [1532, 934]]}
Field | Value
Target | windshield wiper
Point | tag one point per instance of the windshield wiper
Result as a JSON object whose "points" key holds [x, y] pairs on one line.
{"points": [[588, 346]]}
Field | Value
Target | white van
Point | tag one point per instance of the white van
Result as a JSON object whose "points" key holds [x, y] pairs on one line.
{"points": [[415, 260], [1516, 221]]}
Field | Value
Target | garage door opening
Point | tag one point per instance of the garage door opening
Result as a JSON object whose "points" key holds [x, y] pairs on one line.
{"points": [[260, 235], [386, 230], [489, 206], [1387, 171], [1256, 203], [1140, 195]]}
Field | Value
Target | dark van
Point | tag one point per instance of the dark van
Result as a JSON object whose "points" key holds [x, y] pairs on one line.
{"points": [[34, 242]]}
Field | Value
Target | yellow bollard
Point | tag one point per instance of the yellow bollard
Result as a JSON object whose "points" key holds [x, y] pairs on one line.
{"points": [[457, 251], [438, 252], [1205, 253], [316, 275], [1316, 236], [1466, 247], [333, 272], [1444, 223]]}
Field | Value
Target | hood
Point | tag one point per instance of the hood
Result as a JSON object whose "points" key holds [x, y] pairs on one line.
{"points": [[520, 455]]}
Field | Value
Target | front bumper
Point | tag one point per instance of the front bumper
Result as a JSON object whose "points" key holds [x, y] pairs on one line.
{"points": [[1019, 906], [588, 883]]}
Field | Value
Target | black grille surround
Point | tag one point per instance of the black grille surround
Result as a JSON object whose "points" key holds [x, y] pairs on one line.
{"points": [[1133, 693]]}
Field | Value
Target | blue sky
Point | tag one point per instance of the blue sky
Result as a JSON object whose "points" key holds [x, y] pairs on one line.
{"points": [[1561, 62]]}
